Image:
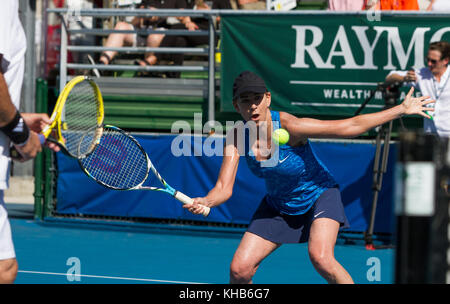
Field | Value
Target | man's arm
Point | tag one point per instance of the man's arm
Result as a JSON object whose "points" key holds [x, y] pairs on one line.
{"points": [[409, 76], [7, 109], [394, 78], [14, 126]]}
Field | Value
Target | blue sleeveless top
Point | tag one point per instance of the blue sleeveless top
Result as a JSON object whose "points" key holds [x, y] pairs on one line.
{"points": [[294, 176]]}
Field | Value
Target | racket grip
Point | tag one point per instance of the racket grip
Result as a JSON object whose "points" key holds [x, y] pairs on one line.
{"points": [[189, 201], [41, 138]]}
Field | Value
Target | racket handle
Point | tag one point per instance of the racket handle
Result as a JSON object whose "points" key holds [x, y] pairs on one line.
{"points": [[189, 201], [41, 138]]}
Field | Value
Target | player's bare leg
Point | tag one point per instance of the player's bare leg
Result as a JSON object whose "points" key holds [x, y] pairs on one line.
{"points": [[251, 252], [321, 244]]}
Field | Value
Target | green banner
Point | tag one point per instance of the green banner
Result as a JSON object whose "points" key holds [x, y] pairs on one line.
{"points": [[324, 64]]}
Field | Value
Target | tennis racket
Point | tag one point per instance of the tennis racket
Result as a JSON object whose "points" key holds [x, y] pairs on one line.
{"points": [[78, 110], [119, 162]]}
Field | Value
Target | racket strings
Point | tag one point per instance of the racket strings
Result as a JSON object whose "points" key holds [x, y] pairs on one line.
{"points": [[117, 161], [81, 112]]}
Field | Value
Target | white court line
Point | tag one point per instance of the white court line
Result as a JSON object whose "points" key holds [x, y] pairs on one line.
{"points": [[334, 83], [107, 277], [336, 105]]}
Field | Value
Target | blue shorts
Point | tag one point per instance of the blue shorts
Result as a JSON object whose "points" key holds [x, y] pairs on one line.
{"points": [[271, 225]]}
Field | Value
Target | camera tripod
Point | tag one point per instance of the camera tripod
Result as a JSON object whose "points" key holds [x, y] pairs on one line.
{"points": [[391, 94]]}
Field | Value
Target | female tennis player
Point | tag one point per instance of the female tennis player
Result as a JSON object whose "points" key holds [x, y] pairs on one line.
{"points": [[303, 202]]}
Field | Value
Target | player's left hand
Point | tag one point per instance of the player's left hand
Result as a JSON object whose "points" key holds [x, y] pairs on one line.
{"points": [[416, 105], [37, 122]]}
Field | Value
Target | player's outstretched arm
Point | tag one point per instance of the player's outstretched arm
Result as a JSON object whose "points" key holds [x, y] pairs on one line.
{"points": [[301, 128]]}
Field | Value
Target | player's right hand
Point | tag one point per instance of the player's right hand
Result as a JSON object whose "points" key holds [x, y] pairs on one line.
{"points": [[196, 207], [31, 148]]}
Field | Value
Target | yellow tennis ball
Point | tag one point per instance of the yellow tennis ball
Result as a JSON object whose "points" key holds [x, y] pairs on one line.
{"points": [[280, 137]]}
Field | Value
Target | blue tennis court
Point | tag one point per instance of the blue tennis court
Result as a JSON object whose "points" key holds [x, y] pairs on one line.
{"points": [[61, 252], [90, 249]]}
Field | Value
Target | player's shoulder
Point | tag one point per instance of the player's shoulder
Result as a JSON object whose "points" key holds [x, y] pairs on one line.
{"points": [[289, 121], [293, 125], [286, 115], [287, 118]]}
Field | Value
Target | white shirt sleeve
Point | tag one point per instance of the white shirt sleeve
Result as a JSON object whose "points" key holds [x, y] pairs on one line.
{"points": [[12, 48], [400, 73], [403, 74], [8, 11]]}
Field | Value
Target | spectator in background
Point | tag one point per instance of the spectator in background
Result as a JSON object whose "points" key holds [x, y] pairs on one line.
{"points": [[423, 4], [439, 5], [152, 40], [433, 81], [224, 5], [393, 5], [132, 39], [346, 5], [251, 4], [183, 22], [188, 40]]}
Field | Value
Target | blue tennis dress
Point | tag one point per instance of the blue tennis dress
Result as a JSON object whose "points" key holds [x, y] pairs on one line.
{"points": [[295, 178]]}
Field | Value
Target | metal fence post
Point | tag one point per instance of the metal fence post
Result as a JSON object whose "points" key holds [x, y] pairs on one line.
{"points": [[211, 71], [63, 53], [39, 168]]}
